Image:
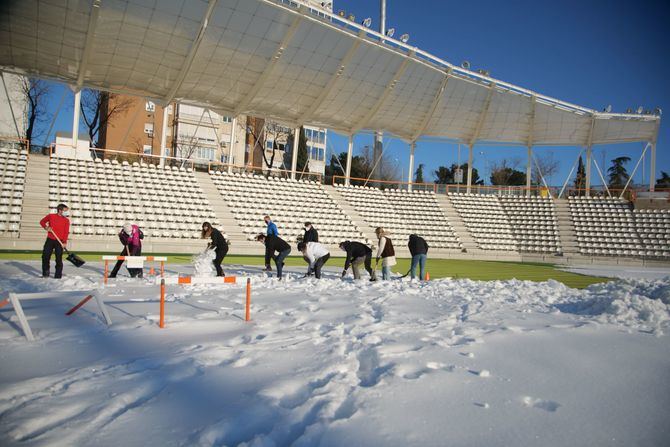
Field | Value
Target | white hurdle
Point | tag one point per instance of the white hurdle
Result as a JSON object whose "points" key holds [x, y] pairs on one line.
{"points": [[134, 262], [15, 299], [199, 280]]}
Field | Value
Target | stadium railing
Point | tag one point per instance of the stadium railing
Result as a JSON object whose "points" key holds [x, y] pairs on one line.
{"points": [[276, 172], [19, 144]]}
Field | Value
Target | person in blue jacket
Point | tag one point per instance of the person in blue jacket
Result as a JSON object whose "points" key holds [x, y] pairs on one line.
{"points": [[272, 228]]}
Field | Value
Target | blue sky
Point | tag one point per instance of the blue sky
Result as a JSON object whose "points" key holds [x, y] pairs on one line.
{"points": [[590, 52]]}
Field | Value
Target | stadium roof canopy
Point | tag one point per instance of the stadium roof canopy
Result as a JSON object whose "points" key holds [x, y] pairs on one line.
{"points": [[280, 60]]}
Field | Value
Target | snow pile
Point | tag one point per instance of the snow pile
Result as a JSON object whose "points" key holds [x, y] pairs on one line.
{"points": [[639, 304], [203, 265]]}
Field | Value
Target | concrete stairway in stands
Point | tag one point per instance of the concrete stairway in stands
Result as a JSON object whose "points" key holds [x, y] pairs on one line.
{"points": [[566, 229], [349, 210], [457, 223], [227, 222], [35, 202]]}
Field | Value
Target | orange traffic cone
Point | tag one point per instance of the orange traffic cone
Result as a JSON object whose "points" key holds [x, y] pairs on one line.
{"points": [[427, 276]]}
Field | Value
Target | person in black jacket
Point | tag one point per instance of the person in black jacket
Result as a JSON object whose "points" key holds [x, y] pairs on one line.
{"points": [[218, 244], [274, 244], [418, 248], [357, 255], [311, 235]]}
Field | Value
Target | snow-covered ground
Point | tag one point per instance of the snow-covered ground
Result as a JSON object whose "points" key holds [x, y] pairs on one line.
{"points": [[337, 363]]}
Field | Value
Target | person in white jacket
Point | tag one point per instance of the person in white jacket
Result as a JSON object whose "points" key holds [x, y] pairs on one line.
{"points": [[316, 255], [385, 251]]}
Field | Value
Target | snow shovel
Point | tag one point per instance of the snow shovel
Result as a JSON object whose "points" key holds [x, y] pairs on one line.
{"points": [[72, 257]]}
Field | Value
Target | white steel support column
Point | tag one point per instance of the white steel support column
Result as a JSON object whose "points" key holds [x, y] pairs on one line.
{"points": [[231, 145], [350, 150], [470, 152], [164, 134], [75, 119], [652, 167], [529, 170], [588, 171], [412, 146], [294, 149]]}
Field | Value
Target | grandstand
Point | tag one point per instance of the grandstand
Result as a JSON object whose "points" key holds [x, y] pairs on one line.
{"points": [[170, 203]]}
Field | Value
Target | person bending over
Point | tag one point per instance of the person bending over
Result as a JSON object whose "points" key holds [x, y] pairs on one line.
{"points": [[418, 248], [386, 252], [131, 237], [218, 243], [357, 255], [58, 229], [274, 244], [316, 255]]}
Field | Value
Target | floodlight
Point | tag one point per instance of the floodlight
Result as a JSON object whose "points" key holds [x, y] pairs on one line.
{"points": [[390, 32], [352, 17], [404, 38], [465, 64], [640, 110], [367, 22], [629, 110], [341, 13], [483, 72], [658, 111], [608, 109]]}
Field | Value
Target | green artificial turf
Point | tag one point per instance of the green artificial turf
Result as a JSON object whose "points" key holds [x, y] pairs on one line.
{"points": [[437, 268]]}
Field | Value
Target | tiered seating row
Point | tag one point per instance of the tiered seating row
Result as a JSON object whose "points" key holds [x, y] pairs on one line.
{"points": [[605, 227], [534, 224], [13, 170], [486, 220], [290, 203], [402, 213], [102, 195], [653, 226]]}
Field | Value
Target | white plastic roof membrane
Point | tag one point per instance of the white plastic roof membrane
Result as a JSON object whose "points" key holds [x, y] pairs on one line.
{"points": [[278, 60]]}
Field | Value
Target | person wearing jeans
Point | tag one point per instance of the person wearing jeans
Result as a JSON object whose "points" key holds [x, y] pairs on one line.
{"points": [[385, 252], [274, 244], [418, 248]]}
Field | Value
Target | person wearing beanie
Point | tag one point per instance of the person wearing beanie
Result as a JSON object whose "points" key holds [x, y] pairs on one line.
{"points": [[131, 237]]}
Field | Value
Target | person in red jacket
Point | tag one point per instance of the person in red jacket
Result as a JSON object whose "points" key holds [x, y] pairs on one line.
{"points": [[60, 225]]}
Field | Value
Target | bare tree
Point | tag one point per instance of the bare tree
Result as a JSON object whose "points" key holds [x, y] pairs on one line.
{"points": [[36, 92], [264, 131], [382, 168], [549, 167], [99, 108]]}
